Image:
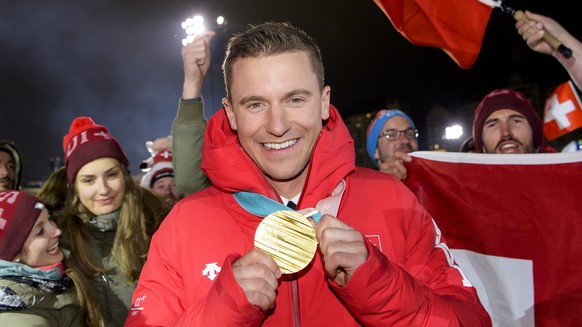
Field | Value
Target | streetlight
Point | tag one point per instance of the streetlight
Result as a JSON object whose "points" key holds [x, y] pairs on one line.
{"points": [[453, 132]]}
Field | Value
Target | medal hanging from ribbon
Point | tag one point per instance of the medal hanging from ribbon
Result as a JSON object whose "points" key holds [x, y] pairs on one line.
{"points": [[286, 235], [289, 238]]}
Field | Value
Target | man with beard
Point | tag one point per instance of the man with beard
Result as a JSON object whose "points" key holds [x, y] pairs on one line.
{"points": [[391, 137], [506, 122], [10, 166]]}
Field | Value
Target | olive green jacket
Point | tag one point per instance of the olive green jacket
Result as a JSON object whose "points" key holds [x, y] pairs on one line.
{"points": [[114, 288], [40, 307], [187, 140]]}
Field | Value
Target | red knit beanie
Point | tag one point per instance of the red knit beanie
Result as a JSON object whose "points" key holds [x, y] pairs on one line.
{"points": [[162, 167], [506, 99], [18, 214], [86, 142]]}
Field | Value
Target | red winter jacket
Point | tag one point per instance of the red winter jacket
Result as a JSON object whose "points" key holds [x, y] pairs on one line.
{"points": [[409, 279]]}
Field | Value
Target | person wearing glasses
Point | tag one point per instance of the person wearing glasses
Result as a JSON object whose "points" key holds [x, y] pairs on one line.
{"points": [[391, 136]]}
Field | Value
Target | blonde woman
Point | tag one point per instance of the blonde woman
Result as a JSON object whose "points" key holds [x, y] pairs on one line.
{"points": [[109, 220]]}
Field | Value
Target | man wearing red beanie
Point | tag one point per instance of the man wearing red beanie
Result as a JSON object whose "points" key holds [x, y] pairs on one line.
{"points": [[506, 122]]}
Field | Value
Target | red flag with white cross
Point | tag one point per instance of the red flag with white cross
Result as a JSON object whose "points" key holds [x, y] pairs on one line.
{"points": [[563, 112], [513, 224]]}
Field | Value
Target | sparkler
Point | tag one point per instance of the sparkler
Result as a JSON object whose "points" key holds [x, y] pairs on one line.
{"points": [[194, 26], [520, 15]]}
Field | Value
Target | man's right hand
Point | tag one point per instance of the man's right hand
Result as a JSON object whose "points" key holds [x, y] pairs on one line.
{"points": [[196, 59], [257, 273]]}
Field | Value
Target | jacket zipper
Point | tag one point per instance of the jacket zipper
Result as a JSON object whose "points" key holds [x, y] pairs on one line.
{"points": [[106, 280], [295, 301], [294, 285]]}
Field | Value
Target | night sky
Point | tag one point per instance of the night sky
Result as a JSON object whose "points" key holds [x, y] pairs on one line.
{"points": [[119, 62]]}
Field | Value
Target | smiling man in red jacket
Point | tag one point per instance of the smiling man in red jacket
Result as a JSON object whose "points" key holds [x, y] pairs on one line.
{"points": [[380, 261]]}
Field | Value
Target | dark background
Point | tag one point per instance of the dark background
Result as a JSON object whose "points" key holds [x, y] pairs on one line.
{"points": [[119, 62]]}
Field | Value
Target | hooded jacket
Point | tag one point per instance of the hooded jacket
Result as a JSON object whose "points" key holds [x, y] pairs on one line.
{"points": [[13, 151], [409, 278]]}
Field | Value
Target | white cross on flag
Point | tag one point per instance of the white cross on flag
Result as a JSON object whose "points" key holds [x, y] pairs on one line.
{"points": [[563, 112]]}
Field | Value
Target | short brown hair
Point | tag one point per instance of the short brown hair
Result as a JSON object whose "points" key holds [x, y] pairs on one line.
{"points": [[269, 39]]}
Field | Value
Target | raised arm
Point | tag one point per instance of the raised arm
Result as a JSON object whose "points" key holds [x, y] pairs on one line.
{"points": [[189, 125]]}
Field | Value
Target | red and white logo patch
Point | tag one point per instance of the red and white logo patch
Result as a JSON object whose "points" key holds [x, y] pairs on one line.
{"points": [[375, 240]]}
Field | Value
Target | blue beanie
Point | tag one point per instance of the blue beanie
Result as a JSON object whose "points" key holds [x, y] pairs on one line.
{"points": [[376, 127]]}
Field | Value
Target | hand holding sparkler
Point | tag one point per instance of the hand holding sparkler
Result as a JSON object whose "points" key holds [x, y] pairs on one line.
{"points": [[196, 52], [196, 59]]}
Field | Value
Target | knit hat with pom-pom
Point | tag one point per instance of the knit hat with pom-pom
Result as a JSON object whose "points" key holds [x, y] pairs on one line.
{"points": [[86, 142]]}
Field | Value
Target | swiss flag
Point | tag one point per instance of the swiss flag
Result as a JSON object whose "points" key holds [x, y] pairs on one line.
{"points": [[456, 26], [513, 223], [563, 112]]}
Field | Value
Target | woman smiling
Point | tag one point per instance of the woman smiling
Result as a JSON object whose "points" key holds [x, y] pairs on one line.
{"points": [[35, 289]]}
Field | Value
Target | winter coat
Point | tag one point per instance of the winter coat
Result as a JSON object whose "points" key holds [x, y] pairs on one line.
{"points": [[409, 279], [114, 288], [35, 297]]}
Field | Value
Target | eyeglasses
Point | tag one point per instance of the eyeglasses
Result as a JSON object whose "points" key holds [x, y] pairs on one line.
{"points": [[394, 135]]}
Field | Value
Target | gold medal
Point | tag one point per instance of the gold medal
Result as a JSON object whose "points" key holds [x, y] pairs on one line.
{"points": [[288, 237]]}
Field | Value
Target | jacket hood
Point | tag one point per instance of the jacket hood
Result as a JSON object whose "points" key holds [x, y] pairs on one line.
{"points": [[9, 147], [231, 170]]}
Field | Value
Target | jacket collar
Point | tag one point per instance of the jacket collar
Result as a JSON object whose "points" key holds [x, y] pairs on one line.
{"points": [[333, 158], [105, 223]]}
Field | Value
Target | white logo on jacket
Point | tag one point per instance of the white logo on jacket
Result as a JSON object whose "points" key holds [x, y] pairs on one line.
{"points": [[211, 270], [136, 308]]}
